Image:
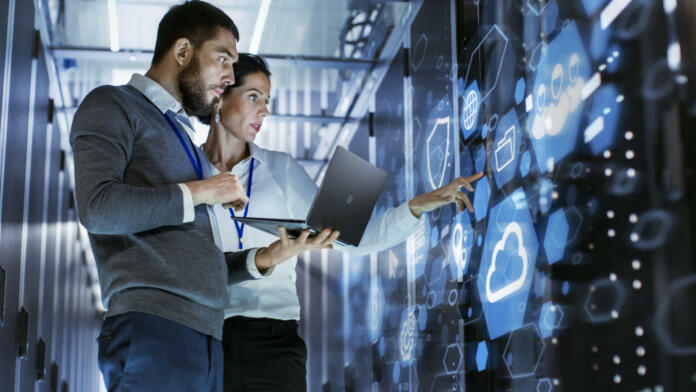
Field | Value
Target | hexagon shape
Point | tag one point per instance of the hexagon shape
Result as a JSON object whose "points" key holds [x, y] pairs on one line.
{"points": [[537, 55], [574, 219], [481, 356], [452, 359], [550, 318], [469, 308], [520, 359], [493, 37], [520, 90], [605, 300], [482, 195], [525, 163], [556, 236], [510, 249], [471, 101], [444, 382], [550, 17], [665, 316], [452, 297], [544, 385], [558, 109], [537, 7]]}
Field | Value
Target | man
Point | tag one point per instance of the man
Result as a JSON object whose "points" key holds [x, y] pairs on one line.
{"points": [[142, 196]]}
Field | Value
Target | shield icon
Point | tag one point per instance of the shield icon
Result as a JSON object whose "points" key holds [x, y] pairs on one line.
{"points": [[438, 151]]}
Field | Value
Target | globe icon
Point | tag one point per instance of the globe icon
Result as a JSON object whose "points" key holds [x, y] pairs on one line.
{"points": [[470, 110]]}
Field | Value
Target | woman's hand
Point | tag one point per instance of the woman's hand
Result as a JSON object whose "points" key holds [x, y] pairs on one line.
{"points": [[285, 248], [449, 193]]}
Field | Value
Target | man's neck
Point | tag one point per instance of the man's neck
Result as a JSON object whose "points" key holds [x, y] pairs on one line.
{"points": [[166, 79], [223, 149]]}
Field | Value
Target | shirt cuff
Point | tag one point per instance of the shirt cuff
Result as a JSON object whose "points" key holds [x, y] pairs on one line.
{"points": [[251, 265], [405, 218], [189, 211]]}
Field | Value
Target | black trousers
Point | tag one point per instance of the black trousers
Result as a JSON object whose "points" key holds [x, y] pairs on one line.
{"points": [[263, 355]]}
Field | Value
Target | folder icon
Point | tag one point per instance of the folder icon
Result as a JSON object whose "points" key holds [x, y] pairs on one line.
{"points": [[505, 151]]}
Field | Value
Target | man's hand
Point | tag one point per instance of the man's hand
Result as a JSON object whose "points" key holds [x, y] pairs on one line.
{"points": [[449, 193], [223, 188], [285, 248]]}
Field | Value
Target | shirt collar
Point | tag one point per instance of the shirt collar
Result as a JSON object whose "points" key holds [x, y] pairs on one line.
{"points": [[258, 153], [157, 94]]}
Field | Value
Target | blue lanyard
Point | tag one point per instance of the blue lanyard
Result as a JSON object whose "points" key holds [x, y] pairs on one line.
{"points": [[238, 225], [196, 163]]}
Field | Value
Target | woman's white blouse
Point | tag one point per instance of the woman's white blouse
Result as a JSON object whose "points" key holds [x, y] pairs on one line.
{"points": [[282, 189]]}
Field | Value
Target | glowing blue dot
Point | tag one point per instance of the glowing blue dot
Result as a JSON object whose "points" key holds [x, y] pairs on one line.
{"points": [[566, 288], [481, 356], [525, 163], [592, 206], [520, 90]]}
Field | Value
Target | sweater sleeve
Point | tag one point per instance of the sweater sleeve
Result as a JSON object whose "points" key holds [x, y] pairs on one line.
{"points": [[102, 138]]}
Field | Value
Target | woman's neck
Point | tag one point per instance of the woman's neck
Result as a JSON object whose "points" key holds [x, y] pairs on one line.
{"points": [[223, 149]]}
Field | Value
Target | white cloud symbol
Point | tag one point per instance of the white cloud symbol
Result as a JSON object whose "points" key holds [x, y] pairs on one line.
{"points": [[497, 295]]}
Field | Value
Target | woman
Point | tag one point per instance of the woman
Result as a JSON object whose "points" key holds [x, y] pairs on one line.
{"points": [[262, 348]]}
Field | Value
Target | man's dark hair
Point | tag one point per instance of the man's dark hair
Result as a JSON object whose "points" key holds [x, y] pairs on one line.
{"points": [[247, 64], [195, 20]]}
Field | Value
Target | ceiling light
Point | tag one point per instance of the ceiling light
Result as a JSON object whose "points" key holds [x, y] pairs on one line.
{"points": [[260, 25], [113, 26]]}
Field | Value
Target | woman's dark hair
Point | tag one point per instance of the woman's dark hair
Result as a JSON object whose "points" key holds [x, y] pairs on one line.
{"points": [[247, 64], [196, 20]]}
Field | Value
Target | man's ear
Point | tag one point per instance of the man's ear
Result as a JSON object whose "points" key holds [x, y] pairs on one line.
{"points": [[183, 51]]}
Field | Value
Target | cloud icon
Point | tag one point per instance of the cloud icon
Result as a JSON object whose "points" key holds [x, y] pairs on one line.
{"points": [[497, 295]]}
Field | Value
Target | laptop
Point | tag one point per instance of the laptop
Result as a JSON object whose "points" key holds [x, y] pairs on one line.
{"points": [[344, 201]]}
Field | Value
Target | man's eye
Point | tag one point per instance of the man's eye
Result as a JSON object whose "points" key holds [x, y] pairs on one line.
{"points": [[253, 97], [222, 60]]}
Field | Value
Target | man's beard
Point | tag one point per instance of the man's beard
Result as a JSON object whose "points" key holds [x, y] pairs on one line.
{"points": [[193, 91]]}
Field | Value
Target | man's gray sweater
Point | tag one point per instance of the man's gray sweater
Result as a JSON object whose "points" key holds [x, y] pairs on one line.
{"points": [[128, 162]]}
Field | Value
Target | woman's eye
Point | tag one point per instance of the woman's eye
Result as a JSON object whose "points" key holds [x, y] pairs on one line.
{"points": [[253, 98], [222, 60]]}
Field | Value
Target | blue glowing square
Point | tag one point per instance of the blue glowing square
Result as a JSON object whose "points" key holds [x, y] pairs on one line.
{"points": [[558, 98], [471, 101], [520, 90], [556, 236], [507, 264], [550, 318], [482, 193], [481, 356], [506, 148]]}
